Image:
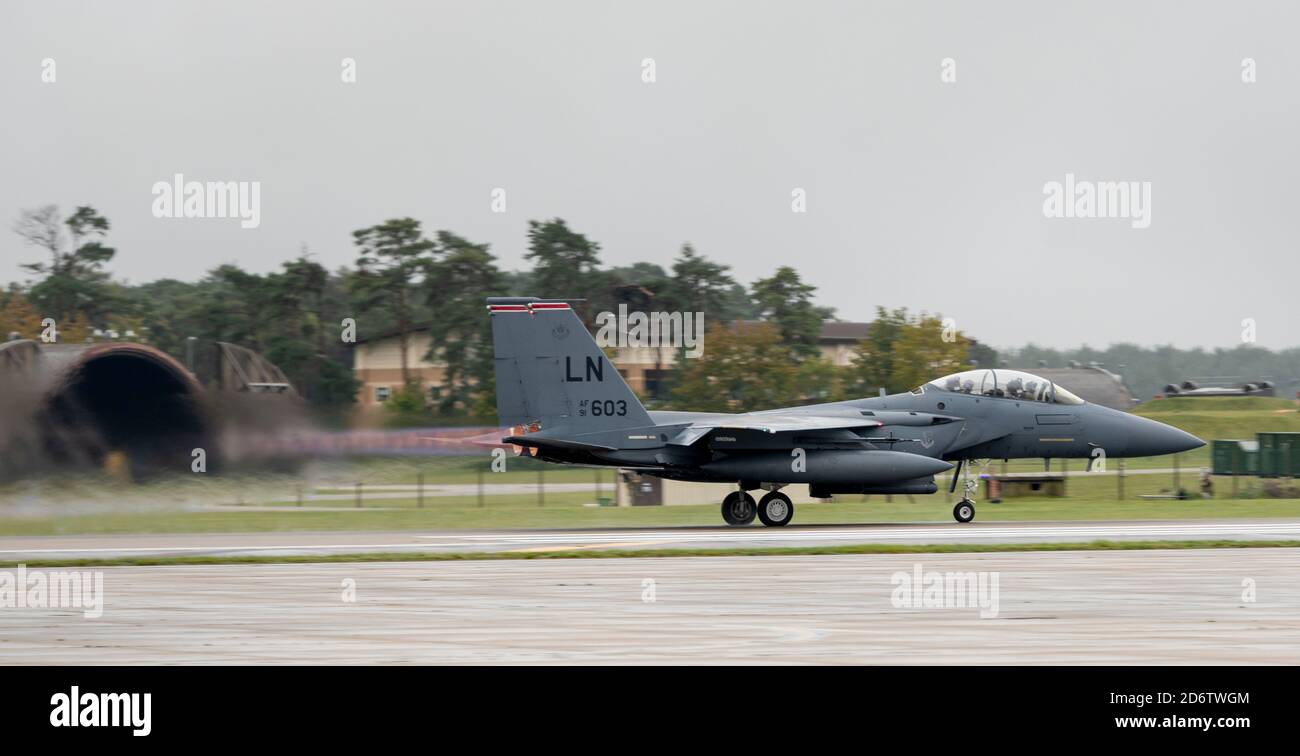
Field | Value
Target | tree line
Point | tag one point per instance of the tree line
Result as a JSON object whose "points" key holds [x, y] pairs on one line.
{"points": [[404, 279], [762, 340]]}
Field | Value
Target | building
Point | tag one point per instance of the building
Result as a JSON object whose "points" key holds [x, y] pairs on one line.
{"points": [[377, 365], [377, 362]]}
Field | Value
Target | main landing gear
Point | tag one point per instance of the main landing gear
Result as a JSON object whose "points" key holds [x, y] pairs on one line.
{"points": [[738, 508], [964, 511], [774, 509]]}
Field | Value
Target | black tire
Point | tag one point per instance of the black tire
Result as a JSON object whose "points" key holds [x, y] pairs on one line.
{"points": [[738, 508], [775, 509], [964, 511]]}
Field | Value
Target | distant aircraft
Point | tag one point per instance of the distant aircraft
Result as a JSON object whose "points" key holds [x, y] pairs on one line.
{"points": [[568, 404]]}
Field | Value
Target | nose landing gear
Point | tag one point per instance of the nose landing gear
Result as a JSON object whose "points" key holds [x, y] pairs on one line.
{"points": [[965, 509]]}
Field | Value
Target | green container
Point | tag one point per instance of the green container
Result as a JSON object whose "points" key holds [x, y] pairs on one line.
{"points": [[1279, 455], [1234, 457]]}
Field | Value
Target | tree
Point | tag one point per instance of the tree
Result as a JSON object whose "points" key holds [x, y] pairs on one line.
{"points": [[746, 367], [17, 316], [169, 311], [566, 264], [982, 355], [407, 407], [305, 281], [820, 381], [236, 306], [872, 367], [924, 351], [642, 275], [286, 316], [393, 254], [73, 280], [902, 351], [738, 304], [787, 301], [456, 286], [700, 285], [298, 341]]}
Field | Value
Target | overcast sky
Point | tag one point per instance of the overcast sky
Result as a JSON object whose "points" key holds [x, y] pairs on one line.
{"points": [[920, 193]]}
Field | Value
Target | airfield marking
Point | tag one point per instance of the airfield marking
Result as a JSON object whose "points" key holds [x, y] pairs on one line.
{"points": [[726, 538], [545, 549], [956, 532]]}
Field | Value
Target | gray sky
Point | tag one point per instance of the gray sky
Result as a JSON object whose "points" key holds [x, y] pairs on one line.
{"points": [[919, 193]]}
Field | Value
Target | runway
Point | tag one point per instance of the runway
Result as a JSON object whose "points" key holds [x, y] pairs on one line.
{"points": [[1162, 607], [20, 548]]}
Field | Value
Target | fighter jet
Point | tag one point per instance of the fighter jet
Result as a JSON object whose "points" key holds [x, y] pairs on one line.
{"points": [[566, 403]]}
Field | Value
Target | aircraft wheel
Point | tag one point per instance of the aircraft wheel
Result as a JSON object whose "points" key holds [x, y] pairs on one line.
{"points": [[738, 508], [775, 509], [964, 511]]}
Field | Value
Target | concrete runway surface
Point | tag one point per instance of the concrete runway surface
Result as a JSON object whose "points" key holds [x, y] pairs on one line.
{"points": [[19, 548], [1162, 607]]}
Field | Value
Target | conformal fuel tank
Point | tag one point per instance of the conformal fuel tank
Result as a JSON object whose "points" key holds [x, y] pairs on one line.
{"points": [[827, 466]]}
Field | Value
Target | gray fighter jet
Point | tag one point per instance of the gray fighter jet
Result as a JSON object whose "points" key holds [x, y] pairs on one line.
{"points": [[567, 404]]}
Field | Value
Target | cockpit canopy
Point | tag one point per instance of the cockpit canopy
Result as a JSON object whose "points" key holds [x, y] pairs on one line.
{"points": [[1006, 384]]}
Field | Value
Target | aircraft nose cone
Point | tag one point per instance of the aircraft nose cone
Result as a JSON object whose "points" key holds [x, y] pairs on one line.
{"points": [[1153, 439]]}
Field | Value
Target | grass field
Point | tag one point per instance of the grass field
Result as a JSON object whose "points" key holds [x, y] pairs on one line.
{"points": [[1220, 417]]}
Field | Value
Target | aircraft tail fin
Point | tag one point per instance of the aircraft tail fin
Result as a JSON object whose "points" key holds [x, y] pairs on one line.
{"points": [[550, 371]]}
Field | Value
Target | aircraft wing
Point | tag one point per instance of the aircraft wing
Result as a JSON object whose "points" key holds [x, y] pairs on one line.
{"points": [[770, 424]]}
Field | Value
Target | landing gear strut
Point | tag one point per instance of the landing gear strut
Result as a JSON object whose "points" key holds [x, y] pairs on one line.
{"points": [[738, 508], [965, 509], [775, 509]]}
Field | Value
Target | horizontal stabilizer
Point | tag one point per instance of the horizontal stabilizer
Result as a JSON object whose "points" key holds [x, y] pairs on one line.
{"points": [[533, 440]]}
